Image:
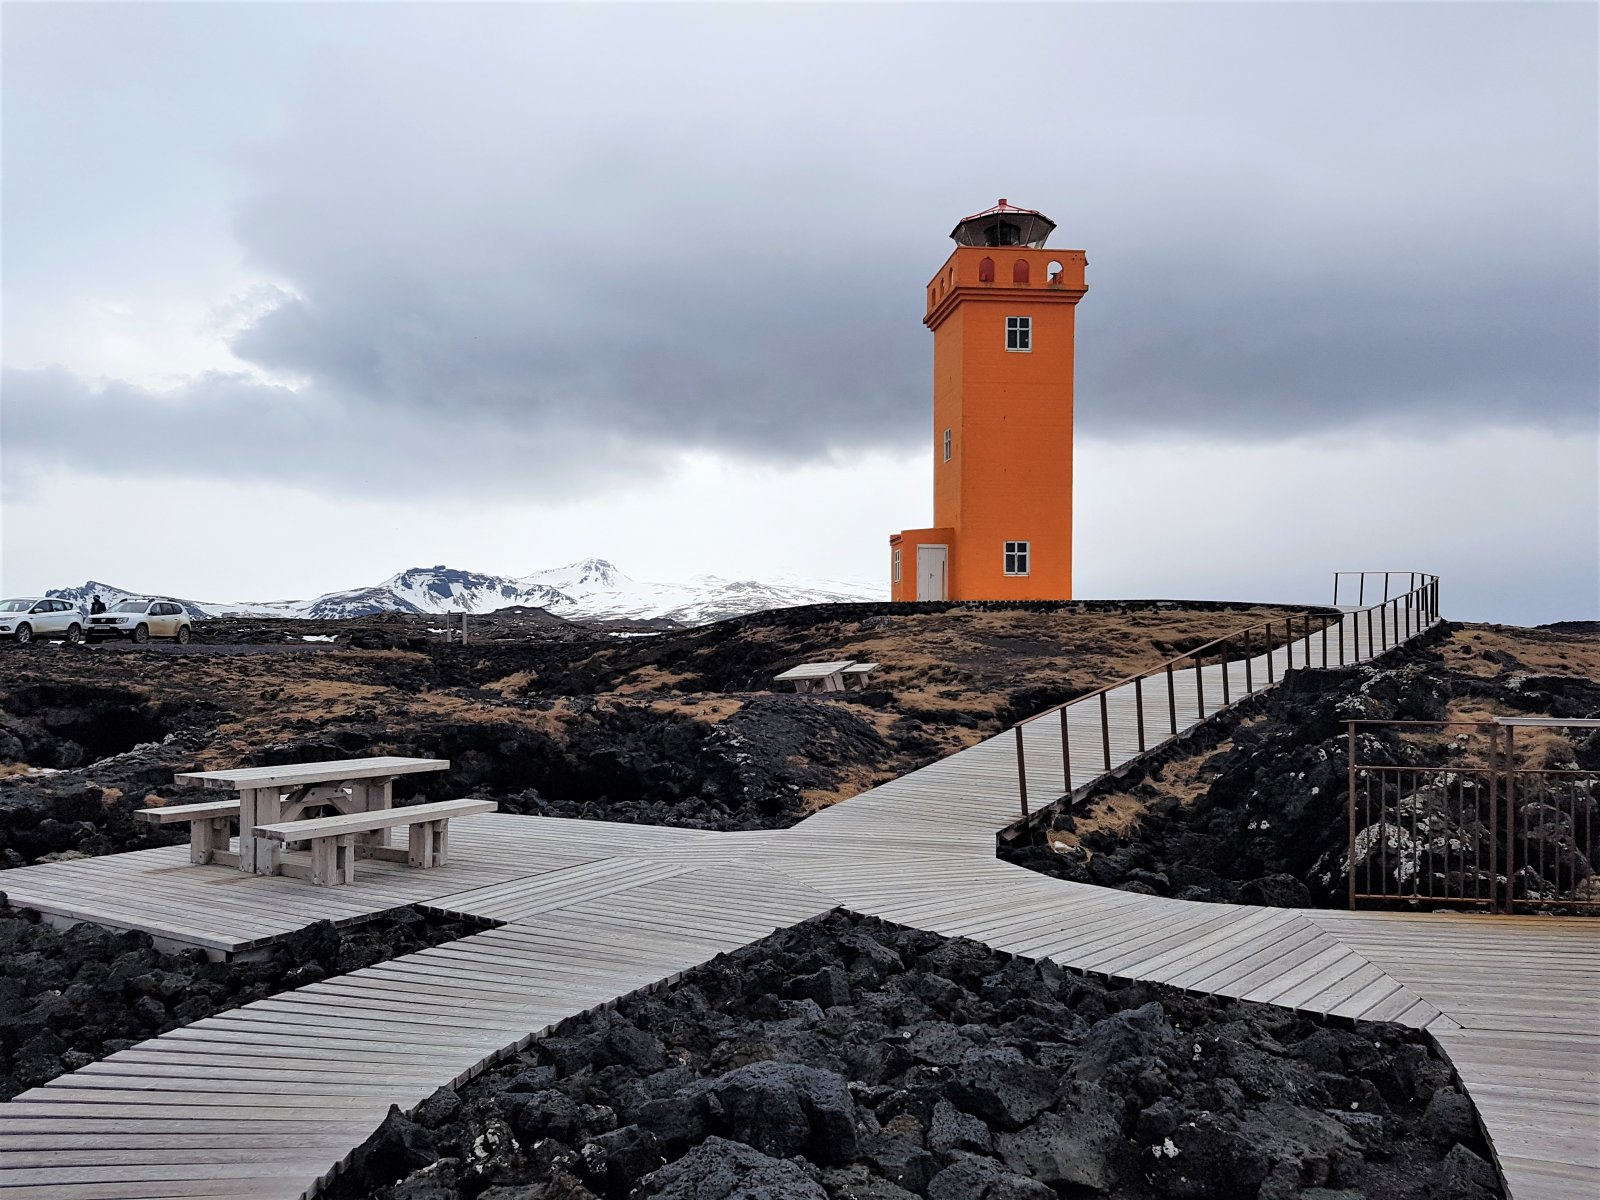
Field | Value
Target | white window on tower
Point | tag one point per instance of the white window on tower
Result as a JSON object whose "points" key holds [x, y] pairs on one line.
{"points": [[1019, 333], [897, 566], [947, 445], [1016, 558]]}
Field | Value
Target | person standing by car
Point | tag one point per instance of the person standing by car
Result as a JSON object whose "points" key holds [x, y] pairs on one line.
{"points": [[96, 605]]}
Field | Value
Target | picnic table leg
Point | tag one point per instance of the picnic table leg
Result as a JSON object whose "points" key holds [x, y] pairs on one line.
{"points": [[330, 860], [247, 823], [373, 795], [439, 841], [203, 840], [344, 864], [269, 810], [420, 850]]}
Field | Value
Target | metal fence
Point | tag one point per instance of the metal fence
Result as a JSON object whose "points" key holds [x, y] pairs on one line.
{"points": [[1156, 705], [1482, 830]]}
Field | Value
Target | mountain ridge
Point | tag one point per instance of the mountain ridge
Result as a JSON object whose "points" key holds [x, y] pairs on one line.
{"points": [[590, 588]]}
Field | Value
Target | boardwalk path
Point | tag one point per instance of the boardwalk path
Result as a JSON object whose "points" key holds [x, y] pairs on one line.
{"points": [[268, 1100]]}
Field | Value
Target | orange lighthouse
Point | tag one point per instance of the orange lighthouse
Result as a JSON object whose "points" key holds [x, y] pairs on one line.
{"points": [[1002, 309]]}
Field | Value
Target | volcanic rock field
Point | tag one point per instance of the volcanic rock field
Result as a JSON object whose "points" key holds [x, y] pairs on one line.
{"points": [[843, 1058]]}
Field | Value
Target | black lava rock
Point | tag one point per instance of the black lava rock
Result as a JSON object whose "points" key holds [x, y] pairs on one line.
{"points": [[960, 1073]]}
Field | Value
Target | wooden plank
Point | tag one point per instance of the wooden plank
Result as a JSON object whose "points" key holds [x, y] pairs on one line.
{"points": [[299, 774], [168, 814], [353, 823]]}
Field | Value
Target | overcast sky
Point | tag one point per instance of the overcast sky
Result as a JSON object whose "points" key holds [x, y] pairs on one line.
{"points": [[296, 297]]}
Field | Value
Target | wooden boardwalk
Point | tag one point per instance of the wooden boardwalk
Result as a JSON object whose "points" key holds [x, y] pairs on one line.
{"points": [[268, 1100]]}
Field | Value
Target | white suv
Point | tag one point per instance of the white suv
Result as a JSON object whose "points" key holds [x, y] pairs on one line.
{"points": [[141, 620], [29, 617]]}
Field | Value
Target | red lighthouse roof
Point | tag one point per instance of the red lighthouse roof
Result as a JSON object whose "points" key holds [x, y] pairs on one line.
{"points": [[1004, 225]]}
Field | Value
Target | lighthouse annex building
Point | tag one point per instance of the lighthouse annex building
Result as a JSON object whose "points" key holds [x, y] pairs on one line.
{"points": [[1002, 310]]}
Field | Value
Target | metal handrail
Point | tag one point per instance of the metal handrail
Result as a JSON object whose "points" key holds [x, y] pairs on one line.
{"points": [[1504, 782], [1420, 609], [1412, 578]]}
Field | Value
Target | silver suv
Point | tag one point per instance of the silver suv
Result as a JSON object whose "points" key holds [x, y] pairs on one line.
{"points": [[141, 620], [29, 618]]}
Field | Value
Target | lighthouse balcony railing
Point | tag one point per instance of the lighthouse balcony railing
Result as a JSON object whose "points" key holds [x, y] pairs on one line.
{"points": [[1105, 730]]}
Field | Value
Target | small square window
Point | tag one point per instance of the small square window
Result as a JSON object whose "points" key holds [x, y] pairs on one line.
{"points": [[1019, 334], [897, 566], [1017, 558], [947, 445]]}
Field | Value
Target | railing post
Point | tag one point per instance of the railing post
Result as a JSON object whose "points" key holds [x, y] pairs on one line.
{"points": [[1022, 774], [1270, 677], [1172, 701], [1105, 731], [1066, 752], [1511, 818], [1386, 587], [1494, 818], [1199, 690], [1223, 650], [1351, 755], [1341, 639], [1369, 636], [1138, 706], [1249, 683], [1324, 645], [1361, 592]]}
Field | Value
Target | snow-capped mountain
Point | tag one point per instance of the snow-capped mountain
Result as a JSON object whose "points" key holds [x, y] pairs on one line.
{"points": [[592, 588], [84, 596]]}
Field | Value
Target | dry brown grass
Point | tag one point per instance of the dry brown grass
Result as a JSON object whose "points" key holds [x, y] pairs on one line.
{"points": [[711, 709], [1119, 811], [1489, 651], [649, 679]]}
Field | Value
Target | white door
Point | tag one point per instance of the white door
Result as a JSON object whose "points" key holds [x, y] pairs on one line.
{"points": [[930, 572]]}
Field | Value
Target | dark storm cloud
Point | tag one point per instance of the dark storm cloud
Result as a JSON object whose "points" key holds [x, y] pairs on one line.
{"points": [[540, 247]]}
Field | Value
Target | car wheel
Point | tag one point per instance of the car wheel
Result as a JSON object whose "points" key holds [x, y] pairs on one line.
{"points": [[142, 634], [74, 634], [183, 635], [24, 633]]}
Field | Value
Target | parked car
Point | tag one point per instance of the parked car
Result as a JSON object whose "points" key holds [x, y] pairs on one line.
{"points": [[141, 620], [29, 617]]}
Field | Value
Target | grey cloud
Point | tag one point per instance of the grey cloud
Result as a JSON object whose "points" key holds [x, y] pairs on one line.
{"points": [[579, 239], [231, 427]]}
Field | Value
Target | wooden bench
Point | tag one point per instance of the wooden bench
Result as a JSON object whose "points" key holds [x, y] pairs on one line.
{"points": [[333, 839], [210, 828]]}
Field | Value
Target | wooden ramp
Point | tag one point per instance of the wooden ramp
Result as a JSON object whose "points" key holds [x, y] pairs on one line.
{"points": [[225, 910], [270, 1099]]}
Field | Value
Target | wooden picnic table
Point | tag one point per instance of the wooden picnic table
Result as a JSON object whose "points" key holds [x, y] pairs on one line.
{"points": [[273, 795]]}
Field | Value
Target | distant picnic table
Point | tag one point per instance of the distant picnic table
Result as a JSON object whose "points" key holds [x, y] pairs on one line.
{"points": [[846, 674]]}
